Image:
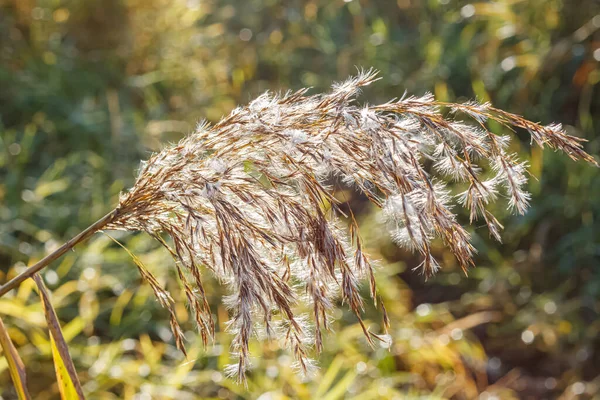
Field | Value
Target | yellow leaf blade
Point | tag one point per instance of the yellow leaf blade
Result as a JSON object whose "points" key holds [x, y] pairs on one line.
{"points": [[15, 365], [68, 382]]}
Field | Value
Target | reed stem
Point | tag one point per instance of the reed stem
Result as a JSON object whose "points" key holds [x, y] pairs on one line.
{"points": [[44, 262]]}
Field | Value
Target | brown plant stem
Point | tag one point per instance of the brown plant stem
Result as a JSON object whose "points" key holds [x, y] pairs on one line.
{"points": [[44, 262]]}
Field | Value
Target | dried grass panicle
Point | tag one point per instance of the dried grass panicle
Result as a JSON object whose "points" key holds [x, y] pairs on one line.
{"points": [[247, 198]]}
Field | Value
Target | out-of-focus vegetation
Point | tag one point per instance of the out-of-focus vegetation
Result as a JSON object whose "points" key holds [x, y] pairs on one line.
{"points": [[88, 88]]}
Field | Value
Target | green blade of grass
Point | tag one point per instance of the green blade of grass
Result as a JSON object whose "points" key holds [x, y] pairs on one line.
{"points": [[68, 382], [339, 390], [15, 365], [329, 377]]}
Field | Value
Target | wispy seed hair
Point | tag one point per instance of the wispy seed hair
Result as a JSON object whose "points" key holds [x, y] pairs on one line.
{"points": [[248, 199]]}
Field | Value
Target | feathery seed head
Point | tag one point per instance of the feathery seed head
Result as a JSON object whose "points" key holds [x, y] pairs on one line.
{"points": [[247, 199]]}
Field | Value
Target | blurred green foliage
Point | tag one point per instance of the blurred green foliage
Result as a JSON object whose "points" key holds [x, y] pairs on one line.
{"points": [[88, 88]]}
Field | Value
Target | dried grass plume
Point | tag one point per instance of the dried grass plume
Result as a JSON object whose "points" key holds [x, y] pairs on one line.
{"points": [[248, 199]]}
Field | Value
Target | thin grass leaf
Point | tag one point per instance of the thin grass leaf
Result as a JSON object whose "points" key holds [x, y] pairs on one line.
{"points": [[15, 364], [327, 380], [341, 388], [66, 376]]}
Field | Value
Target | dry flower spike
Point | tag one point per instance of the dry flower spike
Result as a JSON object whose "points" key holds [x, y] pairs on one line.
{"points": [[248, 199]]}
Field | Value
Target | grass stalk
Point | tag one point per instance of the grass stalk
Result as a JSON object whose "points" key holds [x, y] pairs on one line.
{"points": [[44, 262]]}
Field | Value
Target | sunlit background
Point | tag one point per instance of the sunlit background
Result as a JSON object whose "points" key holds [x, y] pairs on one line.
{"points": [[90, 87]]}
